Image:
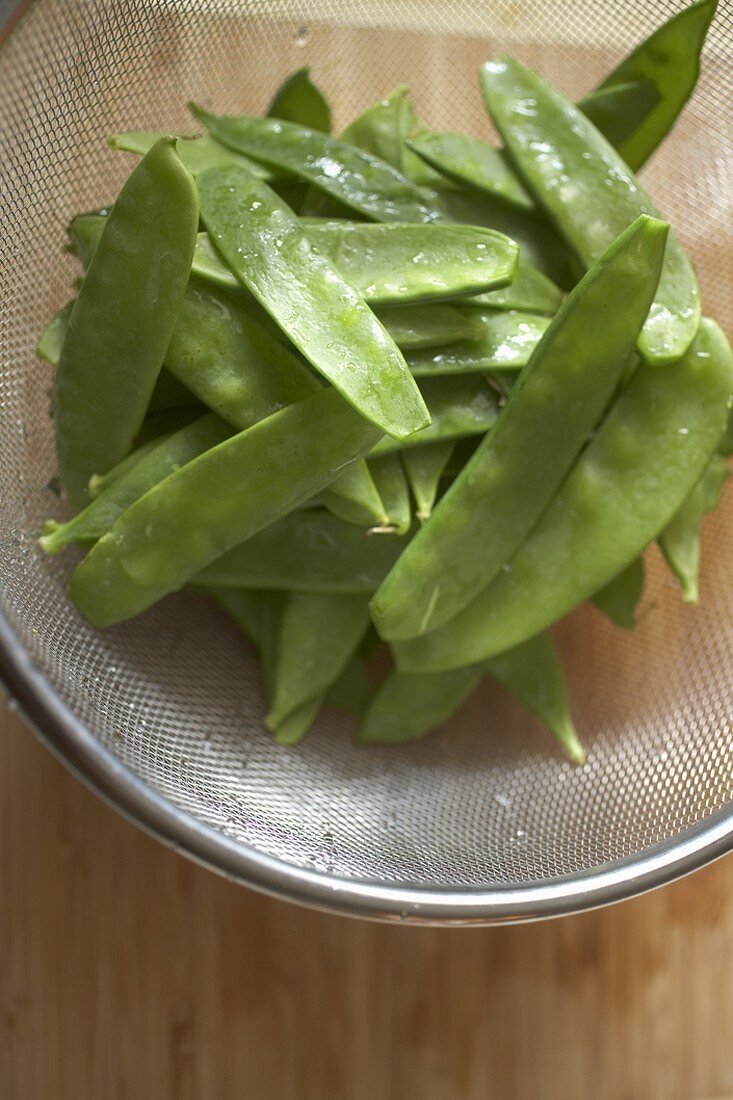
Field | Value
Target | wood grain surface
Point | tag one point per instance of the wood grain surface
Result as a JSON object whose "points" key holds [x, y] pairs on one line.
{"points": [[128, 972]]}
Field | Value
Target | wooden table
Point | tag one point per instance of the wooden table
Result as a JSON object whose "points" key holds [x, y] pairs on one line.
{"points": [[126, 971]]}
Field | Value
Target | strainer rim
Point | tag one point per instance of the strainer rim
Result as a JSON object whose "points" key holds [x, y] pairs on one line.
{"points": [[75, 745]]}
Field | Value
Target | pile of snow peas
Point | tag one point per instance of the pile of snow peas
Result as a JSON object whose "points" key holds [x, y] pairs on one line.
{"points": [[397, 400]]}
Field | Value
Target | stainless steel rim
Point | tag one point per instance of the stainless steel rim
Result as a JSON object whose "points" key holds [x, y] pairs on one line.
{"points": [[78, 749]]}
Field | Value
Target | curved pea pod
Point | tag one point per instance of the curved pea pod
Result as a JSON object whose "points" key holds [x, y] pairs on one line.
{"points": [[619, 599], [319, 634], [123, 318], [470, 161], [354, 497], [197, 154], [680, 539], [461, 406], [299, 100], [52, 338], [264, 244], [424, 467], [293, 729], [308, 551], [532, 673], [618, 110], [530, 291], [670, 60], [408, 705], [625, 487], [150, 467], [357, 179], [508, 340], [586, 187], [517, 469], [414, 327], [214, 502], [389, 478]]}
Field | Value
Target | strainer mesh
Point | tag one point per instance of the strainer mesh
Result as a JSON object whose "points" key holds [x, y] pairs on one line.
{"points": [[175, 694]]}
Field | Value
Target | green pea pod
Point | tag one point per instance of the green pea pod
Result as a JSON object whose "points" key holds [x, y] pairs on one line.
{"points": [[619, 599], [214, 502], [508, 482], [625, 487], [197, 154], [98, 483], [157, 424], [123, 318], [680, 539], [325, 318], [150, 467], [388, 264], [725, 447], [530, 291], [587, 188], [306, 551], [319, 635], [424, 467], [472, 162], [354, 497], [299, 100], [408, 705], [460, 406], [414, 327], [619, 110], [670, 59], [258, 616], [389, 478], [532, 673], [381, 130], [52, 338], [352, 691], [293, 729], [359, 180], [507, 343]]}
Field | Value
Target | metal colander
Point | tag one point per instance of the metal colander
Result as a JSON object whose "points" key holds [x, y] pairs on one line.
{"points": [[484, 820]]}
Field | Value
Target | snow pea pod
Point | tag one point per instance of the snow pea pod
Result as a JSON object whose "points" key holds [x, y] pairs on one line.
{"points": [[98, 483], [221, 498], [352, 691], [354, 497], [155, 463], [530, 291], [258, 615], [424, 467], [299, 100], [123, 318], [670, 59], [264, 244], [587, 188], [319, 634], [408, 705], [619, 598], [618, 110], [359, 180], [507, 343], [470, 161], [306, 551], [389, 478], [624, 488], [680, 539], [52, 338], [197, 154], [414, 327], [459, 407], [508, 482]]}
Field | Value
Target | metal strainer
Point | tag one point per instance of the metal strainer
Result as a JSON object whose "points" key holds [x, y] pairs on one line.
{"points": [[483, 821]]}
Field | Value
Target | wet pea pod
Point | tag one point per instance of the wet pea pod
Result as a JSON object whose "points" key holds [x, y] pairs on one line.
{"points": [[414, 327], [669, 61], [202, 510], [263, 243], [530, 291], [619, 110], [586, 187], [507, 483], [306, 551], [507, 342], [136, 474], [619, 599], [625, 487], [424, 468], [389, 478], [123, 317], [465, 405], [299, 100], [319, 635], [197, 154], [357, 179], [680, 539]]}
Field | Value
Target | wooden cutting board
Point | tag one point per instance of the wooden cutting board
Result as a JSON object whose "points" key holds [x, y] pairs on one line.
{"points": [[128, 972]]}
